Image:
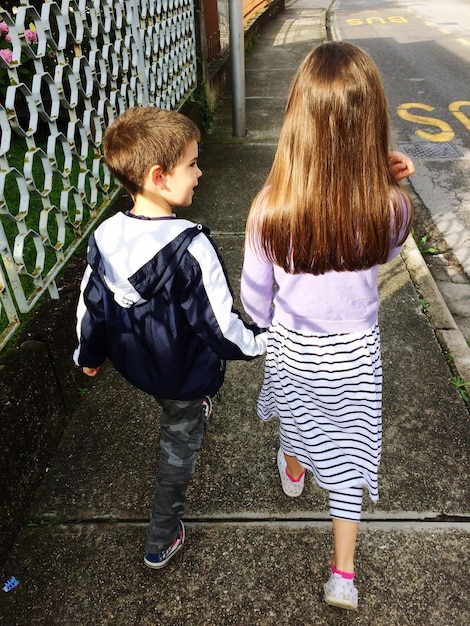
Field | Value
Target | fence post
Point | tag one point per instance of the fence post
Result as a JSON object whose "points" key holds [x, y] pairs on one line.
{"points": [[237, 54]]}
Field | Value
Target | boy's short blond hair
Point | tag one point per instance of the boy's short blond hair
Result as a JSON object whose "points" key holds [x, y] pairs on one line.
{"points": [[143, 137]]}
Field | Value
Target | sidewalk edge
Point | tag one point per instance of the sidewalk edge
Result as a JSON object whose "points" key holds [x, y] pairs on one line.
{"points": [[440, 318]]}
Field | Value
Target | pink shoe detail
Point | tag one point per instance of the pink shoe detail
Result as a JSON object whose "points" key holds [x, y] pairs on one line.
{"points": [[346, 575], [295, 480]]}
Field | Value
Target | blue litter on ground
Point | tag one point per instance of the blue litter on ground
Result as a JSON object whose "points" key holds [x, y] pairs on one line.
{"points": [[10, 584]]}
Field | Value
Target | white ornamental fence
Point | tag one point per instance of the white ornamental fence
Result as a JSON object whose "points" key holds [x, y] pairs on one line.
{"points": [[67, 69]]}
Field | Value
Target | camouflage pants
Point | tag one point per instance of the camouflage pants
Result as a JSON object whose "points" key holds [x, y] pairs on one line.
{"points": [[182, 429]]}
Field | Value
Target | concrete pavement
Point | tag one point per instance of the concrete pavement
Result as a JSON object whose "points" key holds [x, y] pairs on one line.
{"points": [[252, 556]]}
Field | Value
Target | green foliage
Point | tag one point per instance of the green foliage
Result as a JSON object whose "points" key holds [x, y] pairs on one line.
{"points": [[423, 245], [199, 97], [250, 44], [462, 387], [424, 305], [449, 357]]}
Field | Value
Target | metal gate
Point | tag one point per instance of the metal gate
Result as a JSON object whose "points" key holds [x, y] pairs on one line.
{"points": [[67, 69]]}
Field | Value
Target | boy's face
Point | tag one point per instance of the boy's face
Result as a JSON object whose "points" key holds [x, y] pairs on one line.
{"points": [[181, 182]]}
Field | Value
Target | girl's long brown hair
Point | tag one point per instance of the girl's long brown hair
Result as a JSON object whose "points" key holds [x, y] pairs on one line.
{"points": [[330, 201]]}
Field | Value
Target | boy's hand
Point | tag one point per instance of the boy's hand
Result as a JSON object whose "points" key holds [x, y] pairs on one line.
{"points": [[90, 371], [401, 166]]}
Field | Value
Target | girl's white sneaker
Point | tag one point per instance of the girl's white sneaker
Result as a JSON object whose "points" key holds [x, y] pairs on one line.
{"points": [[341, 592], [290, 488]]}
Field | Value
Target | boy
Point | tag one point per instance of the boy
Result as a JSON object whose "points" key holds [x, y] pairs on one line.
{"points": [[155, 300]]}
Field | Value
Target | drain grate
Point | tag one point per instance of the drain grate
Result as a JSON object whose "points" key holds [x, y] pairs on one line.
{"points": [[431, 150]]}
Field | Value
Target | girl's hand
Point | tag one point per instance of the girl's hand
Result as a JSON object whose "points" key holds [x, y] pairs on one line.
{"points": [[401, 166]]}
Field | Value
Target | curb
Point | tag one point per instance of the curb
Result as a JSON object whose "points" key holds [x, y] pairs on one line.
{"points": [[440, 318]]}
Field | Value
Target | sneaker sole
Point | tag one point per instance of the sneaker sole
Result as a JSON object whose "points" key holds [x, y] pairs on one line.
{"points": [[153, 565], [342, 604]]}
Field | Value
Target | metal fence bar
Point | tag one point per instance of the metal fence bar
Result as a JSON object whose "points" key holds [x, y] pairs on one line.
{"points": [[67, 69]]}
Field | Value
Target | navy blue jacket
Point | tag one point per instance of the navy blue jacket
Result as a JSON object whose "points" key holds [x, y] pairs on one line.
{"points": [[156, 301]]}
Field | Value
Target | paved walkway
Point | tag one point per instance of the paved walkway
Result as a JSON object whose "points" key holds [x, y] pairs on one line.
{"points": [[252, 556]]}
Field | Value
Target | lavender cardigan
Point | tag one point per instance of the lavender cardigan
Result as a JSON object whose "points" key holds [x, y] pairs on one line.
{"points": [[335, 302]]}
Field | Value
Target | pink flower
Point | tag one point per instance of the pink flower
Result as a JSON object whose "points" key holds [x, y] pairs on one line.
{"points": [[3, 28], [6, 54], [31, 35]]}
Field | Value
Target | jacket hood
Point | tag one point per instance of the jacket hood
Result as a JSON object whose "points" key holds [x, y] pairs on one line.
{"points": [[152, 276]]}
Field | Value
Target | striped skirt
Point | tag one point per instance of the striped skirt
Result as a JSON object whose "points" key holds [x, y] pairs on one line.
{"points": [[326, 391]]}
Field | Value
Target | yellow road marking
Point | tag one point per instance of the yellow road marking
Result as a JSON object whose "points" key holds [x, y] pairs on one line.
{"points": [[446, 133], [454, 107]]}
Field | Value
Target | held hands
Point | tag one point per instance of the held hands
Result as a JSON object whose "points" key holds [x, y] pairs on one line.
{"points": [[401, 166]]}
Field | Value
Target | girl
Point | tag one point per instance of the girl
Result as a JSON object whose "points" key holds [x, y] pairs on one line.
{"points": [[328, 215]]}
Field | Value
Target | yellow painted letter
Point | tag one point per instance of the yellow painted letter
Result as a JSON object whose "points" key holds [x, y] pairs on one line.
{"points": [[355, 21], [455, 107], [446, 133]]}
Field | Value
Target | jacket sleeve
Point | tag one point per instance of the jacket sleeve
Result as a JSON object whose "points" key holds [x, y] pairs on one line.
{"points": [[208, 303], [257, 287], [92, 348]]}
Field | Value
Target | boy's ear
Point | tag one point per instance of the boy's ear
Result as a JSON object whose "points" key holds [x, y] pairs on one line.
{"points": [[157, 176]]}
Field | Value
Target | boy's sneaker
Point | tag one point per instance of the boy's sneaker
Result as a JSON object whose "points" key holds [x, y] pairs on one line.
{"points": [[207, 407], [159, 559], [291, 488], [341, 592]]}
